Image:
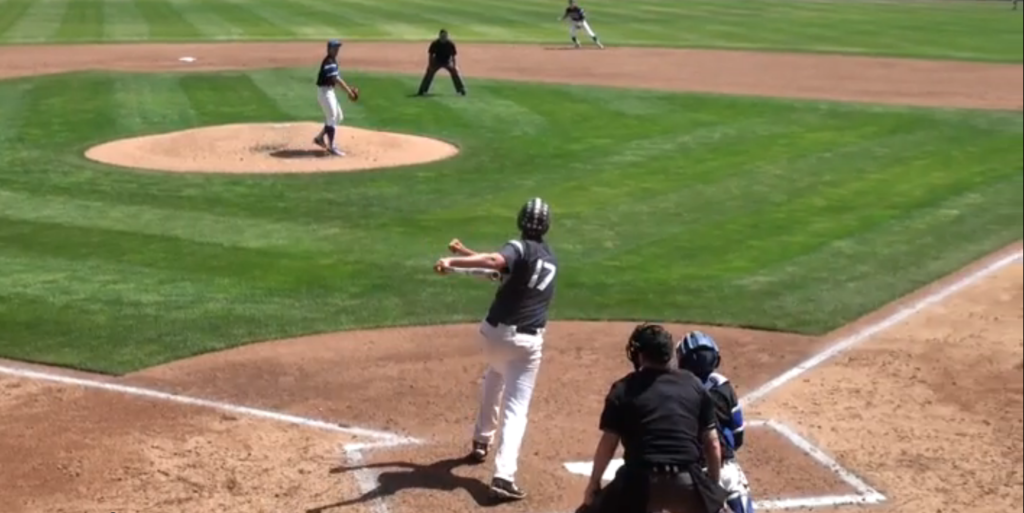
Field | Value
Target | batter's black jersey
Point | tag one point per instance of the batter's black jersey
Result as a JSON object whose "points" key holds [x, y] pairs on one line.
{"points": [[328, 72], [659, 415], [527, 286], [575, 13]]}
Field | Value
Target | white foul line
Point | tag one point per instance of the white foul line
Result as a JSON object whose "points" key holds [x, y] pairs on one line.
{"points": [[903, 314], [205, 403]]}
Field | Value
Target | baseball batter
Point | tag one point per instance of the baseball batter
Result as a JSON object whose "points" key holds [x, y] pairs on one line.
{"points": [[578, 20], [513, 337], [326, 79], [698, 353]]}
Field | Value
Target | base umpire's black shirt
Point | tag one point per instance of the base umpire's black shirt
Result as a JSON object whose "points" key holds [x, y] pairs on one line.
{"points": [[659, 415], [442, 51]]}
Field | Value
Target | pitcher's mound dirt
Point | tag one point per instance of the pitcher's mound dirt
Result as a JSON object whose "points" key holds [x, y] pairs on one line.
{"points": [[269, 148]]}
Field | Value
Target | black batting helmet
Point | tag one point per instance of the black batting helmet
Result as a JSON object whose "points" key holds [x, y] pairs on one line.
{"points": [[534, 218], [653, 342]]}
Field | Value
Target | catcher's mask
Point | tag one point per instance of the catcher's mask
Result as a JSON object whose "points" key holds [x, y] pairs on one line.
{"points": [[650, 342], [534, 218], [698, 353]]}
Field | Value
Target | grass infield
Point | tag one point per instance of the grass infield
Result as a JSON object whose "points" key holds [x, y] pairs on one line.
{"points": [[784, 215]]}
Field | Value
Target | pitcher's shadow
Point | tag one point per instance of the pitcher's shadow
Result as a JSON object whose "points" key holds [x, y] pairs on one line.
{"points": [[299, 154], [438, 476]]}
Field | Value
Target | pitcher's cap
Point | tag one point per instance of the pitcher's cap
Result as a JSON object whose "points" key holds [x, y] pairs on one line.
{"points": [[333, 42]]}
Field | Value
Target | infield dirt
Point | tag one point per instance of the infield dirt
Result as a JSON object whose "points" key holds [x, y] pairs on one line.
{"points": [[902, 406]]}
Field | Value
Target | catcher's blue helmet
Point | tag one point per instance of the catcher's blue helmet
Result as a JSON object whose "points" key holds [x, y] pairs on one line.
{"points": [[698, 353]]}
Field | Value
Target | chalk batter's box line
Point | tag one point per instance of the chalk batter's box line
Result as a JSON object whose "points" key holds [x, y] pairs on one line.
{"points": [[865, 493], [383, 437]]}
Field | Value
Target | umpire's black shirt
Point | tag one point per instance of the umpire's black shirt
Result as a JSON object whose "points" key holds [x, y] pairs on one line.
{"points": [[659, 415], [442, 51]]}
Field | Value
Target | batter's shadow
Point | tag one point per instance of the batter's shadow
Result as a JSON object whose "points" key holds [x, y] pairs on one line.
{"points": [[434, 476]]}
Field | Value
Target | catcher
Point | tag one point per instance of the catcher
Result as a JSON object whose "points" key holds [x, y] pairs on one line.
{"points": [[326, 79], [698, 353]]}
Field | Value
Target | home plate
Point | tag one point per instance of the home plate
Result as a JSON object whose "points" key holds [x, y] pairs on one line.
{"points": [[187, 59], [585, 468]]}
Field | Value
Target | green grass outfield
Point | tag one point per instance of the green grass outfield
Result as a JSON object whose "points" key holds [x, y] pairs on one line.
{"points": [[970, 30], [786, 215]]}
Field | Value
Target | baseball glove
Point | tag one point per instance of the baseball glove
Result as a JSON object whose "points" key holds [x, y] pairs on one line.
{"points": [[355, 94]]}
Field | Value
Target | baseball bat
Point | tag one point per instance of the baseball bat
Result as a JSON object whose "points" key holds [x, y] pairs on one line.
{"points": [[479, 272]]}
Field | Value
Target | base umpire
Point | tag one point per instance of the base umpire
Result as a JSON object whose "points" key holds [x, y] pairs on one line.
{"points": [[666, 423], [442, 54]]}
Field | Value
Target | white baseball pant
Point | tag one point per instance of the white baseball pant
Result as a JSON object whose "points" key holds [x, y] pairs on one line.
{"points": [[734, 480], [329, 105], [513, 363], [578, 25]]}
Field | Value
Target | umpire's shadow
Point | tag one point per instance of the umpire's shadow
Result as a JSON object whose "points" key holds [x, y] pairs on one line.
{"points": [[435, 476]]}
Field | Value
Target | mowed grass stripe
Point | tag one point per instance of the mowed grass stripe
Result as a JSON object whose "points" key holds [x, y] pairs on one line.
{"points": [[166, 22], [12, 104], [849, 268], [238, 232], [86, 303], [11, 12], [83, 21], [39, 23], [248, 18], [123, 21], [55, 110], [231, 98], [310, 273], [146, 106], [301, 20], [835, 208], [350, 19]]}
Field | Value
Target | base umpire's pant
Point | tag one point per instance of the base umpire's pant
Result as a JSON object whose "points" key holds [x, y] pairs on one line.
{"points": [[432, 70]]}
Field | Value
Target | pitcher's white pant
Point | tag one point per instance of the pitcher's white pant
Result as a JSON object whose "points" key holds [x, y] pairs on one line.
{"points": [[329, 105], [577, 25], [513, 363], [735, 482]]}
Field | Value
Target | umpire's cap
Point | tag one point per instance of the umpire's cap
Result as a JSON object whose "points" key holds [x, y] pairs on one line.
{"points": [[653, 342]]}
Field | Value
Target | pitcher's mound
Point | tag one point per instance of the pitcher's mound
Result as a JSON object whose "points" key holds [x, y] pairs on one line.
{"points": [[269, 148]]}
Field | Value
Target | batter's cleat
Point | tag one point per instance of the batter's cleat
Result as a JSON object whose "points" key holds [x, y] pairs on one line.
{"points": [[336, 152], [504, 489], [479, 452], [319, 141], [599, 45]]}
